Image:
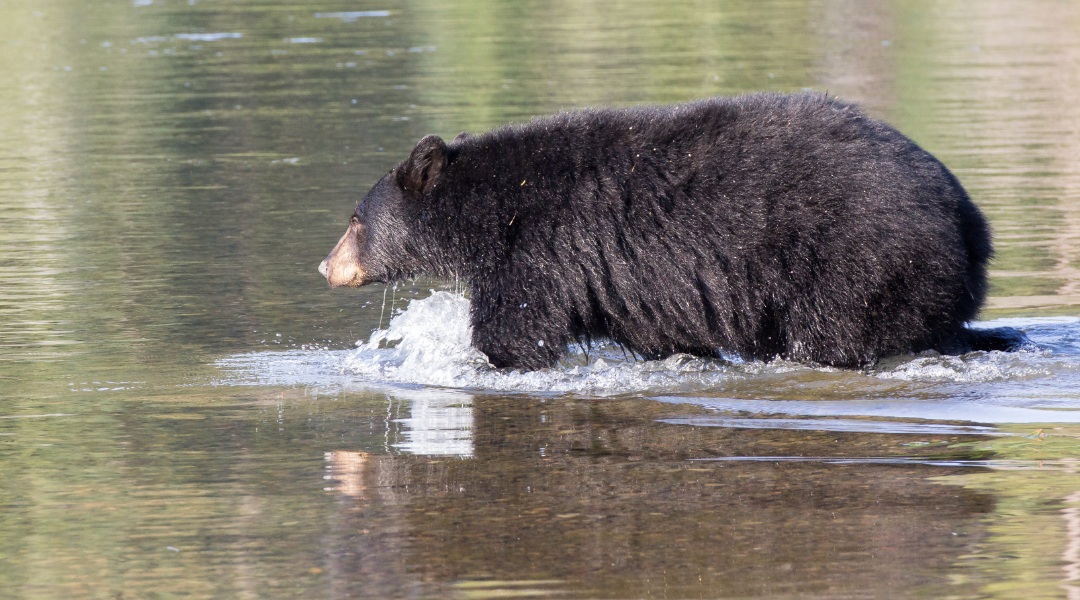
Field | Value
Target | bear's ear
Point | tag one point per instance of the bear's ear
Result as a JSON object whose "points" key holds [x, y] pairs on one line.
{"points": [[424, 166]]}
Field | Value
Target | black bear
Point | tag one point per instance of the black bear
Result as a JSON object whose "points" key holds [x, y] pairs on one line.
{"points": [[762, 225]]}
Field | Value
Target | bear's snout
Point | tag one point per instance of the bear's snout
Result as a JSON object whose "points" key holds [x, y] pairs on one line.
{"points": [[341, 267]]}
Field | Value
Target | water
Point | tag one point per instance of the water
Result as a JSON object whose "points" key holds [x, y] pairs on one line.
{"points": [[185, 410], [428, 345]]}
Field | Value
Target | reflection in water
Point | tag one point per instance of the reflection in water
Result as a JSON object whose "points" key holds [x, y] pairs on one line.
{"points": [[347, 468], [440, 423], [962, 410], [834, 425], [596, 500]]}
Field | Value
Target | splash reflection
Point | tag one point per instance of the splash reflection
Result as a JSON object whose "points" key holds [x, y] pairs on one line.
{"points": [[440, 423]]}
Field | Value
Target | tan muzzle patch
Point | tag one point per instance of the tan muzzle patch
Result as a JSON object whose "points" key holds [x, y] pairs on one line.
{"points": [[341, 267]]}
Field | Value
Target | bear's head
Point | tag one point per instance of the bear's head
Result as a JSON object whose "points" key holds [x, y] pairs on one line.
{"points": [[377, 244]]}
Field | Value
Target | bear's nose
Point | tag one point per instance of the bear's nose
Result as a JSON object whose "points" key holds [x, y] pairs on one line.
{"points": [[322, 269]]}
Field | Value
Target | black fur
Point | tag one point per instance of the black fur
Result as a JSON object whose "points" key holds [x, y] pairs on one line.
{"points": [[762, 225]]}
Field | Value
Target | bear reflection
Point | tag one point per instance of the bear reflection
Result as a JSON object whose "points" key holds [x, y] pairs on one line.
{"points": [[599, 499]]}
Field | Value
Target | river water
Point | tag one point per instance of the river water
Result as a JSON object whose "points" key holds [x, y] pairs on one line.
{"points": [[186, 410]]}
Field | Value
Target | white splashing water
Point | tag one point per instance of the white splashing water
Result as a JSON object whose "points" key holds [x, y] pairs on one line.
{"points": [[429, 345], [981, 368]]}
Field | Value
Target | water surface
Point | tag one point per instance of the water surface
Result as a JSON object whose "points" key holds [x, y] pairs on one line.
{"points": [[185, 410]]}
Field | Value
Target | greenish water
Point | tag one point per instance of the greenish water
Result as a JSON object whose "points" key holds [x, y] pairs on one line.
{"points": [[183, 411]]}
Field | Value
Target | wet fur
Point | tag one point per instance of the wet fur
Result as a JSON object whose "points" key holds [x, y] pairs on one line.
{"points": [[762, 225]]}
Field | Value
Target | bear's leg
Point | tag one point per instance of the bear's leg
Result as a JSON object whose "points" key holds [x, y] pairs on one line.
{"points": [[517, 335], [1002, 339]]}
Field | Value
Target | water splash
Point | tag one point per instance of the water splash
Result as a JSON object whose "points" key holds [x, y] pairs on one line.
{"points": [[429, 345], [979, 367]]}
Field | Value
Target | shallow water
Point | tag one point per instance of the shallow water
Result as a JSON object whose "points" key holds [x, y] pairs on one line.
{"points": [[185, 410]]}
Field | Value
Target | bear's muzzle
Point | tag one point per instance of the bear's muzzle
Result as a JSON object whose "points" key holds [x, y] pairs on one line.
{"points": [[341, 267]]}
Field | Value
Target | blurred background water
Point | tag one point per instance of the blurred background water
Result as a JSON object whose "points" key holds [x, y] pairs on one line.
{"points": [[183, 412]]}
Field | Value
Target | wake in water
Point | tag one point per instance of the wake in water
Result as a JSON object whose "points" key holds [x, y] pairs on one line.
{"points": [[429, 345]]}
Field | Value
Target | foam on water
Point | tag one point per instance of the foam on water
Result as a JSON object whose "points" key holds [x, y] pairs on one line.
{"points": [[429, 345], [971, 368]]}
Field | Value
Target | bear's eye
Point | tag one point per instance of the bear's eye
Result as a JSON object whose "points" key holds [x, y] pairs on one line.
{"points": [[354, 220]]}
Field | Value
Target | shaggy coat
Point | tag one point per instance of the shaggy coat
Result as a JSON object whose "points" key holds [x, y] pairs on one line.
{"points": [[763, 225]]}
